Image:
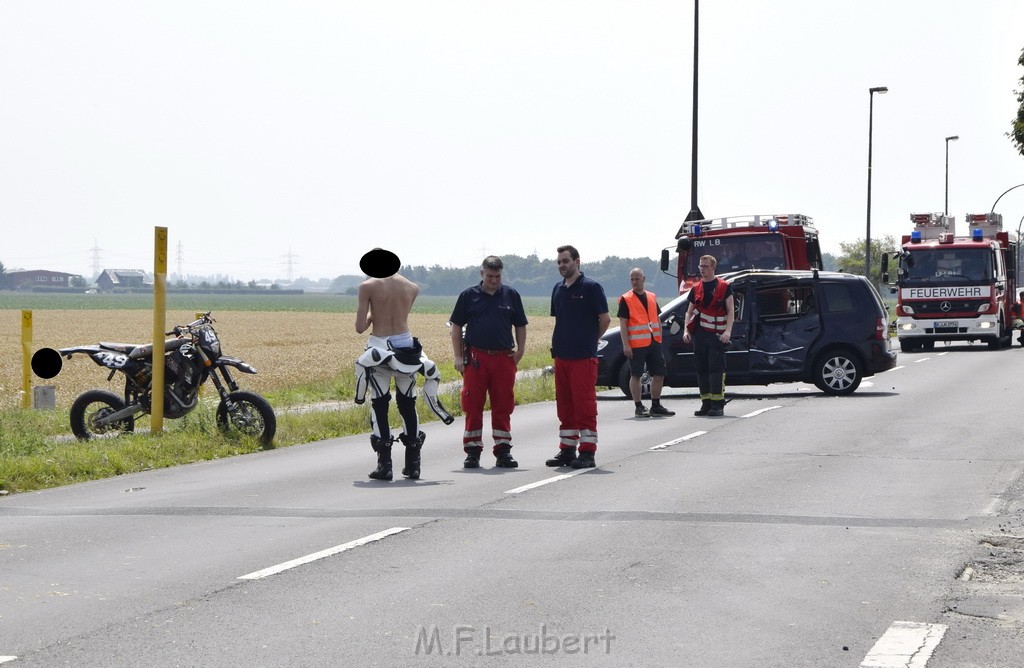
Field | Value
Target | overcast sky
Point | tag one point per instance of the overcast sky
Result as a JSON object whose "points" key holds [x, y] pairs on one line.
{"points": [[288, 138]]}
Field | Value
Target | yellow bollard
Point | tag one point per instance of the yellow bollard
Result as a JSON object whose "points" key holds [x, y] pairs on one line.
{"points": [[26, 359], [198, 316], [159, 326]]}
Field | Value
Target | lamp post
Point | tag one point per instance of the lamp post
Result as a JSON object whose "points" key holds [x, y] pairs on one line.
{"points": [[1019, 185], [870, 122], [695, 213], [948, 139]]}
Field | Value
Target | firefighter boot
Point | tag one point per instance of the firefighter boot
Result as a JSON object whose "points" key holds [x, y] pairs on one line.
{"points": [[472, 456], [383, 450], [705, 406], [564, 457], [412, 454], [503, 457], [717, 409], [584, 460]]}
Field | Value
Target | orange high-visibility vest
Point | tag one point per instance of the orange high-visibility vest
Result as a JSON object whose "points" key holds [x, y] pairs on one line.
{"points": [[711, 318], [643, 325]]}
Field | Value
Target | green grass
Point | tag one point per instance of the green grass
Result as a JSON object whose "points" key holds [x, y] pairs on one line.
{"points": [[37, 450]]}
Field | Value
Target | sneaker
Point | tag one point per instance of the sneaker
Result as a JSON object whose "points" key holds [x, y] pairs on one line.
{"points": [[641, 412], [564, 457], [584, 460], [661, 411]]}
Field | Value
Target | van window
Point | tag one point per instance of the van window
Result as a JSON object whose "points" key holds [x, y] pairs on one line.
{"points": [[783, 303]]}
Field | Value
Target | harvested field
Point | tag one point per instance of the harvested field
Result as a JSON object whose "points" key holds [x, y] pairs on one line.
{"points": [[288, 348]]}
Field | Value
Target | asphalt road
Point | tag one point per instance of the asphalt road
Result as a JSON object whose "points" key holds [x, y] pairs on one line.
{"points": [[883, 528]]}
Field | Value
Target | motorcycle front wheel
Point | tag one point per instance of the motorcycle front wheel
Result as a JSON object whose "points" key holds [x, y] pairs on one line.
{"points": [[251, 415], [94, 405]]}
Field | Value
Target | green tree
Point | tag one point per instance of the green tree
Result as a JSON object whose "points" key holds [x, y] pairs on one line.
{"points": [[1017, 134], [3, 276], [851, 256]]}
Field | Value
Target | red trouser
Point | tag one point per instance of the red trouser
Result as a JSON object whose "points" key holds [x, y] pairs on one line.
{"points": [[576, 400], [493, 374]]}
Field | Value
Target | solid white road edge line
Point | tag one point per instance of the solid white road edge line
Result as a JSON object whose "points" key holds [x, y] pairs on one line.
{"points": [[758, 412], [540, 483], [323, 553], [679, 440], [905, 645]]}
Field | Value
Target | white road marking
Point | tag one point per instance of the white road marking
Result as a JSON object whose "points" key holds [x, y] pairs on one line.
{"points": [[758, 412], [679, 440], [905, 645], [273, 570], [897, 368], [923, 359], [5, 659], [541, 483]]}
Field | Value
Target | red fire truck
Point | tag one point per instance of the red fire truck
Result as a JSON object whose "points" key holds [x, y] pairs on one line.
{"points": [[952, 288], [771, 241]]}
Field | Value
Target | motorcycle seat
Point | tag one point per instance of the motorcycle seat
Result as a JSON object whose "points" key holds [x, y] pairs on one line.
{"points": [[119, 347], [140, 352]]}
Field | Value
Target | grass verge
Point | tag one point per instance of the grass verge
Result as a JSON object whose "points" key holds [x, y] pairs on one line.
{"points": [[38, 452]]}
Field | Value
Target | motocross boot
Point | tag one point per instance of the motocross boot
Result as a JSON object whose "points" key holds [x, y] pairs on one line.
{"points": [[383, 450], [412, 454]]}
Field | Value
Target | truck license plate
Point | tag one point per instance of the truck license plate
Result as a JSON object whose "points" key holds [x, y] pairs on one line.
{"points": [[941, 324]]}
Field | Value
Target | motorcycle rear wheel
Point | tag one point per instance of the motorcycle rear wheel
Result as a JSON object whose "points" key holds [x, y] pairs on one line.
{"points": [[251, 416], [93, 405]]}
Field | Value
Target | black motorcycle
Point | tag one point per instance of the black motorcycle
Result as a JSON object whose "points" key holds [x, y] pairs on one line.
{"points": [[190, 358]]}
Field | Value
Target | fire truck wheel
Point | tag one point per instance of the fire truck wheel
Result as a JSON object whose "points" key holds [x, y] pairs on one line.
{"points": [[837, 372]]}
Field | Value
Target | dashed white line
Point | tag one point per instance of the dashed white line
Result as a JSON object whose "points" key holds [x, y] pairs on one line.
{"points": [[905, 645], [5, 659], [540, 483], [758, 412], [923, 359], [320, 555], [679, 440]]}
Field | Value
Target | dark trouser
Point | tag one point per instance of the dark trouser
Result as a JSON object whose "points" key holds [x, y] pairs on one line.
{"points": [[709, 359]]}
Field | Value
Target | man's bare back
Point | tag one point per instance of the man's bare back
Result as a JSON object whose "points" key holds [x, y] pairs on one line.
{"points": [[384, 304]]}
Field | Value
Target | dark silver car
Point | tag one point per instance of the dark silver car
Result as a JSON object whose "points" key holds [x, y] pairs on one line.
{"points": [[826, 328]]}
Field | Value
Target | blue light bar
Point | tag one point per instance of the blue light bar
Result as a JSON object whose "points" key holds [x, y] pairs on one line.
{"points": [[696, 230], [977, 234], [773, 225], [915, 236]]}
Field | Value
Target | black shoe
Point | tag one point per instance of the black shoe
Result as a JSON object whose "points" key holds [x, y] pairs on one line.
{"points": [[660, 411], [585, 460], [641, 412], [505, 461], [564, 457], [705, 406], [472, 458], [717, 409]]}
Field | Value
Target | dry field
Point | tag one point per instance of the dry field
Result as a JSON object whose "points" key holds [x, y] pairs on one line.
{"points": [[287, 348]]}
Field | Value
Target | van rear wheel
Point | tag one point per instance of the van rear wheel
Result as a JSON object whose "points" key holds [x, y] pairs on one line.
{"points": [[837, 373]]}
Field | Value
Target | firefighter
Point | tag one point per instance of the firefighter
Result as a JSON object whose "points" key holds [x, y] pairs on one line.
{"points": [[708, 321], [580, 309], [487, 358], [640, 329]]}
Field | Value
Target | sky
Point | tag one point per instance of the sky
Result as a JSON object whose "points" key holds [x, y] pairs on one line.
{"points": [[285, 139]]}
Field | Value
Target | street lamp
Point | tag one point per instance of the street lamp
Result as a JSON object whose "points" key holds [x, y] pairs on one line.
{"points": [[948, 139], [695, 212], [871, 114], [1019, 185]]}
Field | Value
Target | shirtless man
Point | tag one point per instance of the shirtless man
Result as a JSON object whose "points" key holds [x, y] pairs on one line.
{"points": [[385, 300]]}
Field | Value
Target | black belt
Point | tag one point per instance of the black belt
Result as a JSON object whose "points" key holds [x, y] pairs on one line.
{"points": [[507, 351]]}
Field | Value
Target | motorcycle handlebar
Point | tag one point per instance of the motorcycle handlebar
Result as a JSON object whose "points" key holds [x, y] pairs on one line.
{"points": [[182, 329]]}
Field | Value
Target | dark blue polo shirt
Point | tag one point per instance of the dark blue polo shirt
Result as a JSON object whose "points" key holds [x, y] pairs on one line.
{"points": [[489, 319], [576, 309]]}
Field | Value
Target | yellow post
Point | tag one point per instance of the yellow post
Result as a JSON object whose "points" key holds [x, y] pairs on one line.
{"points": [[159, 326], [26, 359], [198, 316]]}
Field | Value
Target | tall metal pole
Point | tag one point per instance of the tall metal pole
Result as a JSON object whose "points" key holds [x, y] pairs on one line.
{"points": [[871, 117], [945, 210], [695, 213]]}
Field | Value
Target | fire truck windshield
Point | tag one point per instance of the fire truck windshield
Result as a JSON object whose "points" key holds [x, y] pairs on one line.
{"points": [[738, 252], [947, 265]]}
